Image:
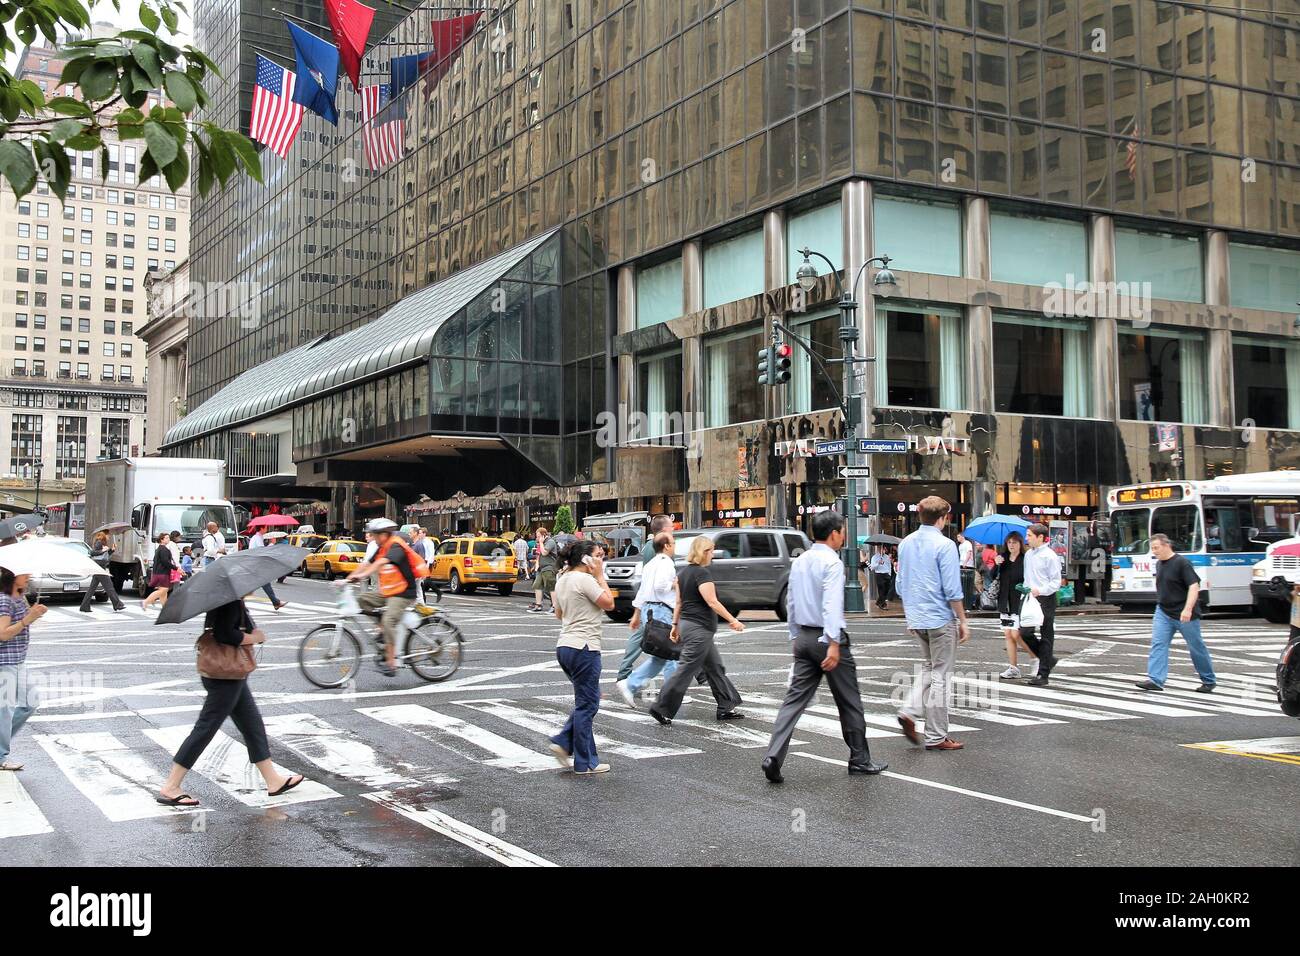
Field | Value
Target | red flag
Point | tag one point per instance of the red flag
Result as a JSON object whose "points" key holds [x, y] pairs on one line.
{"points": [[448, 37], [350, 22]]}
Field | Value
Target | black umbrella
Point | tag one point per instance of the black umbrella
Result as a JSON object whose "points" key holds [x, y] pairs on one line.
{"points": [[15, 525], [230, 579], [883, 539]]}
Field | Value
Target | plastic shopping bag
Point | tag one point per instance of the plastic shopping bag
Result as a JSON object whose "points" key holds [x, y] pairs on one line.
{"points": [[1031, 613]]}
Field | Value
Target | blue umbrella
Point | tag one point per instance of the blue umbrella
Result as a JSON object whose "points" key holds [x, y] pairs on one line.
{"points": [[993, 529]]}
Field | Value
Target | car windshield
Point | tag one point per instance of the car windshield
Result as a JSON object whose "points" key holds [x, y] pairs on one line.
{"points": [[192, 520], [492, 549]]}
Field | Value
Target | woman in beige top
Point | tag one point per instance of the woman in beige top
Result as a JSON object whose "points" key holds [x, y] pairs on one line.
{"points": [[581, 598]]}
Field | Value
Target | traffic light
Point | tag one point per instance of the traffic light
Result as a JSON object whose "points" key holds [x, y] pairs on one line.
{"points": [[765, 362], [866, 507], [781, 362]]}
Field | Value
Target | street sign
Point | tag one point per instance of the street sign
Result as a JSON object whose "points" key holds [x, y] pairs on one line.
{"points": [[856, 471], [831, 447], [882, 446]]}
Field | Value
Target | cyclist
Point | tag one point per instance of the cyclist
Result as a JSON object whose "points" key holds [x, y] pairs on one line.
{"points": [[395, 563]]}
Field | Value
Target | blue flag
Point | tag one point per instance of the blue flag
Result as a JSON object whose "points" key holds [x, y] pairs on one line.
{"points": [[317, 73], [405, 70]]}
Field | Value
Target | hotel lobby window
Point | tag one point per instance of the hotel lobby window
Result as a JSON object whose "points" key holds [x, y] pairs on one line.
{"points": [[1266, 379], [812, 388], [1040, 366], [733, 269], [1030, 250], [919, 236], [1263, 278], [659, 293], [1171, 263], [659, 393], [1162, 375], [922, 356], [731, 389]]}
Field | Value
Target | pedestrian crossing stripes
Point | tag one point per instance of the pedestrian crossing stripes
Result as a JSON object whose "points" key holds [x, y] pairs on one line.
{"points": [[119, 773]]}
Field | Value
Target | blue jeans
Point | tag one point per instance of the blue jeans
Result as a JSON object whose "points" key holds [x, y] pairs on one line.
{"points": [[18, 701], [1163, 627], [632, 651], [582, 667], [648, 669]]}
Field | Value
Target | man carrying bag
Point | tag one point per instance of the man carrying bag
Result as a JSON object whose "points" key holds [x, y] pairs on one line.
{"points": [[655, 600]]}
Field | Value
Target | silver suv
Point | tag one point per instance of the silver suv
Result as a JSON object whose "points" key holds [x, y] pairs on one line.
{"points": [[750, 568]]}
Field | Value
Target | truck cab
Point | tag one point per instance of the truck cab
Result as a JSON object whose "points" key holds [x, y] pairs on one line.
{"points": [[149, 519]]}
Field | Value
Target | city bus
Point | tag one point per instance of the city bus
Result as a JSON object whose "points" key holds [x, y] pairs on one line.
{"points": [[67, 518], [1223, 525]]}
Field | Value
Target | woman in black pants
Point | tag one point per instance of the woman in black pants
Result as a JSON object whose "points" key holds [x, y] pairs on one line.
{"points": [[230, 624], [101, 552]]}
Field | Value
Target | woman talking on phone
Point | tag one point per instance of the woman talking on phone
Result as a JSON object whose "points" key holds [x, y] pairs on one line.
{"points": [[581, 597]]}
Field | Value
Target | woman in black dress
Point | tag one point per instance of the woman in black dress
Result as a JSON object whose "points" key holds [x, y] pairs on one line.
{"points": [[1009, 571], [160, 577]]}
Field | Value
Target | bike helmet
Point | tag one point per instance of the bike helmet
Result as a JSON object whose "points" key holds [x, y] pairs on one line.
{"points": [[380, 525]]}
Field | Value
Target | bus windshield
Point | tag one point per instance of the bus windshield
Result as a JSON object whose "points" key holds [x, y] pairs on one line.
{"points": [[1130, 526]]}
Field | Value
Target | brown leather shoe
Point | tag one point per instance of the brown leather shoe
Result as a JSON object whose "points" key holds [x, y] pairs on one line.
{"points": [[909, 728], [946, 744]]}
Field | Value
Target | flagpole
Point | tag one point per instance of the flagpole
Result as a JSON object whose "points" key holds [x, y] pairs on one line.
{"points": [[273, 57]]}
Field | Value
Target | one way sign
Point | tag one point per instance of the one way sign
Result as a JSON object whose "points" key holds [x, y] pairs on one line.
{"points": [[855, 471]]}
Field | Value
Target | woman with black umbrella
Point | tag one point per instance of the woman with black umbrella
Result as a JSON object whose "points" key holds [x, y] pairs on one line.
{"points": [[227, 625]]}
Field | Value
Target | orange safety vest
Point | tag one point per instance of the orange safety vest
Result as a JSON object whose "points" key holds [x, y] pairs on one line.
{"points": [[391, 580]]}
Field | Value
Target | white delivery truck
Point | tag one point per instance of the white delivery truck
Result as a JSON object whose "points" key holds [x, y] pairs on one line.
{"points": [[154, 495]]}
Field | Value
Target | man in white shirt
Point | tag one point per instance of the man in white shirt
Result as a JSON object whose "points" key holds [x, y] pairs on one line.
{"points": [[655, 599], [214, 543], [966, 559], [520, 548], [258, 541], [1043, 579]]}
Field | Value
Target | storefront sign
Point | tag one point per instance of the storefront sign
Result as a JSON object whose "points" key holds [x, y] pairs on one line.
{"points": [[939, 444], [1051, 511], [813, 509]]}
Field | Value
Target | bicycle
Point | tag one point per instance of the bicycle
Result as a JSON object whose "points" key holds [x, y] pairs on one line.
{"points": [[429, 642]]}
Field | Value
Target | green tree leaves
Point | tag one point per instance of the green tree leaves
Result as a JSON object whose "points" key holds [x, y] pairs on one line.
{"points": [[115, 77]]}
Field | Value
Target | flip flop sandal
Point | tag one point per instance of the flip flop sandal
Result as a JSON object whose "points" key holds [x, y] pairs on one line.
{"points": [[288, 785], [177, 801]]}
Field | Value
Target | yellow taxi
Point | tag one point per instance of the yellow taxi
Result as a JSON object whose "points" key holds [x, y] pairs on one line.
{"points": [[334, 559], [309, 541], [466, 563]]}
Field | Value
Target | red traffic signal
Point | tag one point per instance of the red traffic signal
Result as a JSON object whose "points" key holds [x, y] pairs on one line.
{"points": [[781, 362]]}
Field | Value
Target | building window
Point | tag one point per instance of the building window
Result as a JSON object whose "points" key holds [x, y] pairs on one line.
{"points": [[733, 269], [1029, 250], [1040, 366], [1162, 376], [732, 392], [918, 236], [20, 343], [659, 293], [659, 394], [1263, 278], [71, 449], [1170, 263], [114, 437], [1266, 379], [38, 344], [812, 388], [24, 444], [923, 357]]}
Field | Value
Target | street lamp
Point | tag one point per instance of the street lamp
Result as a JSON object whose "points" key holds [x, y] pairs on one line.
{"points": [[883, 284], [36, 469]]}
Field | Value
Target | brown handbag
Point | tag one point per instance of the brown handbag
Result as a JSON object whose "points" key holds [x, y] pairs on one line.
{"points": [[218, 661]]}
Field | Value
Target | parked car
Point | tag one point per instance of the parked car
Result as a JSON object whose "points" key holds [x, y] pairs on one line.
{"points": [[466, 563], [750, 568], [44, 586], [334, 559], [1271, 582]]}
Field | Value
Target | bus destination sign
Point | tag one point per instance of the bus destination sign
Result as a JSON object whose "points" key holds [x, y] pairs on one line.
{"points": [[1154, 493]]}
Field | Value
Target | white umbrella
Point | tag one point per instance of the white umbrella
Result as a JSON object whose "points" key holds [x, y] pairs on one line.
{"points": [[34, 556]]}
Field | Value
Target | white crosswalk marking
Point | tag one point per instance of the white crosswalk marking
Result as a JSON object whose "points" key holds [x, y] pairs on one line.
{"points": [[462, 738], [19, 814], [344, 754], [745, 738], [1012, 694], [225, 763], [547, 721], [476, 839], [117, 780], [1123, 686], [810, 721]]}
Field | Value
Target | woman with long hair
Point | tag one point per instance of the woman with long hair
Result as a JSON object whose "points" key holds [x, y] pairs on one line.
{"points": [[18, 698], [160, 577], [695, 621], [581, 598], [101, 551], [1009, 571]]}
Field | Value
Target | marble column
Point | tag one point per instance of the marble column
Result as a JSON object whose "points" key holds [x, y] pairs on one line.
{"points": [[692, 277], [979, 318], [1105, 328], [856, 221], [1218, 358]]}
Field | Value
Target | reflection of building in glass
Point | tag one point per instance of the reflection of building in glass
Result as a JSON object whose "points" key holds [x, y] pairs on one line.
{"points": [[681, 152]]}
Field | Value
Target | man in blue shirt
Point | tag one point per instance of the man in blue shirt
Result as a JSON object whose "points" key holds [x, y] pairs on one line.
{"points": [[815, 614], [929, 584]]}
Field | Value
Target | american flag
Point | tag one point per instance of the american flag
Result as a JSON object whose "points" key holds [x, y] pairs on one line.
{"points": [[276, 118], [384, 136]]}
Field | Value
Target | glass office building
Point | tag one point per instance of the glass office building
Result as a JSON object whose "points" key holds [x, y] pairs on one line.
{"points": [[1092, 208]]}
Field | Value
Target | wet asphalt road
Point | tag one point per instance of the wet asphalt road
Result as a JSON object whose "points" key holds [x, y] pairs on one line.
{"points": [[1088, 771]]}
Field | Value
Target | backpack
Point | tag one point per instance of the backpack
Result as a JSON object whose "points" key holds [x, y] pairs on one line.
{"points": [[392, 581]]}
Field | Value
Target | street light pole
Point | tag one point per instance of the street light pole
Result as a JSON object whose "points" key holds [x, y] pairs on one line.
{"points": [[37, 504], [885, 283]]}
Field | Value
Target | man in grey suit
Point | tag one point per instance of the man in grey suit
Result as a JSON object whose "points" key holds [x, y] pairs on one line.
{"points": [[815, 606]]}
